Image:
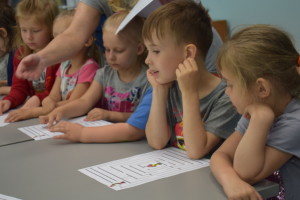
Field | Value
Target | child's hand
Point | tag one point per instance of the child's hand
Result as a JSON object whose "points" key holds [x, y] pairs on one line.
{"points": [[17, 115], [30, 67], [52, 118], [154, 83], [4, 106], [260, 112], [151, 78], [3, 83], [72, 131], [188, 76], [97, 114], [32, 102], [239, 190]]}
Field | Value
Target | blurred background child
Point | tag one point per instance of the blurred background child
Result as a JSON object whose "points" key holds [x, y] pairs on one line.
{"points": [[34, 20], [73, 77], [260, 64], [7, 35]]}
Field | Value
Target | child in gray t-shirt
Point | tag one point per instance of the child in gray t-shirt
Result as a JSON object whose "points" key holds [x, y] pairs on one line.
{"points": [[118, 88], [188, 102], [259, 64]]}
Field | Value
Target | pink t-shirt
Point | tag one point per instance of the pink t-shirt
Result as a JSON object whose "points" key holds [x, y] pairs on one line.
{"points": [[69, 81]]}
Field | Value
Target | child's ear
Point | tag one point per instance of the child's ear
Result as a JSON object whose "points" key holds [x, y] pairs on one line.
{"points": [[263, 87], [190, 51], [3, 32], [140, 48], [89, 42]]}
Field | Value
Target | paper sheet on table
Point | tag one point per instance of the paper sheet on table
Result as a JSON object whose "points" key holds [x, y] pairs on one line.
{"points": [[2, 123], [4, 197], [143, 8], [40, 131], [143, 168]]}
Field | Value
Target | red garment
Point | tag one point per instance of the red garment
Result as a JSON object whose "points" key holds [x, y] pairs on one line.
{"points": [[21, 88]]}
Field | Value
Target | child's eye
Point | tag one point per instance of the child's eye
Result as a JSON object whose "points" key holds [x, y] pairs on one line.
{"points": [[155, 51], [119, 51], [36, 31]]}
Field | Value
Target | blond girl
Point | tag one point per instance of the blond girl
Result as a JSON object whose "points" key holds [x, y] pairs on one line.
{"points": [[259, 64]]}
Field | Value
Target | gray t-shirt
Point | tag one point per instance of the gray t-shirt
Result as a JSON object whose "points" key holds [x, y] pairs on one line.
{"points": [[100, 5], [217, 112], [3, 67], [211, 57], [118, 95], [285, 136]]}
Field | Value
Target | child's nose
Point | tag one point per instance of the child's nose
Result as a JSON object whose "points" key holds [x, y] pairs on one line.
{"points": [[29, 35], [147, 60], [111, 55]]}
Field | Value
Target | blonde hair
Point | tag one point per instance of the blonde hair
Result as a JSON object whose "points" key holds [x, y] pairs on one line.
{"points": [[132, 32], [121, 5], [186, 22], [65, 13], [44, 11], [261, 51]]}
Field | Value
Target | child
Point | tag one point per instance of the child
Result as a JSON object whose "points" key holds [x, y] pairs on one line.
{"points": [[189, 107], [73, 77], [34, 19], [122, 84], [260, 66], [7, 34]]}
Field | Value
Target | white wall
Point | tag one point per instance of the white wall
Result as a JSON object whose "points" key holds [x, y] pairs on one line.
{"points": [[282, 13]]}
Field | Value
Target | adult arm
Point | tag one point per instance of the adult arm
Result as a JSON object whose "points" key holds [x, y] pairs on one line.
{"points": [[65, 45]]}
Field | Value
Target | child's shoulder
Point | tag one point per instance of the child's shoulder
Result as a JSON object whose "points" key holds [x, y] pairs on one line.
{"points": [[90, 64], [217, 94], [292, 111], [91, 61]]}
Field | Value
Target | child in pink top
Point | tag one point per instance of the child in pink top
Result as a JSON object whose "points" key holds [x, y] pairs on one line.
{"points": [[73, 77]]}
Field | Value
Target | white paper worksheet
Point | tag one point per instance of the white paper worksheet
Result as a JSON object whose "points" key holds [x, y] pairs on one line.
{"points": [[4, 197], [40, 131], [2, 123], [143, 168], [143, 8]]}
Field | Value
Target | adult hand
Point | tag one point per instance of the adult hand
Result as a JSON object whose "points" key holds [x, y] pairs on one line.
{"points": [[30, 67]]}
